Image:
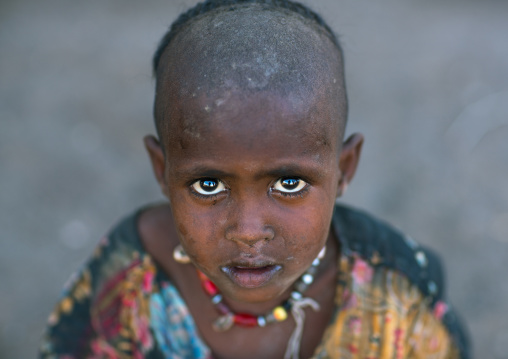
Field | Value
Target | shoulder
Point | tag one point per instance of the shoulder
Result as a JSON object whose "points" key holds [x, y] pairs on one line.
{"points": [[382, 245], [376, 244], [116, 254], [117, 276]]}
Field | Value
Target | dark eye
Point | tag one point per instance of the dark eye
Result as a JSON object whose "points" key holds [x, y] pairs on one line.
{"points": [[208, 186], [289, 185]]}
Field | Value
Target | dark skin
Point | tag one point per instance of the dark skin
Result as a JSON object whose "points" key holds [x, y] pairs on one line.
{"points": [[251, 159], [247, 213]]}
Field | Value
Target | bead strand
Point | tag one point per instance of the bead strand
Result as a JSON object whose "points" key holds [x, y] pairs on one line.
{"points": [[279, 314]]}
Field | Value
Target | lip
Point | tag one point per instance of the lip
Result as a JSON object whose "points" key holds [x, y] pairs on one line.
{"points": [[249, 275]]}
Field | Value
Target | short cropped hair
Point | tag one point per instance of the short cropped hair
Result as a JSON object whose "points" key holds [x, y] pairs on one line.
{"points": [[249, 45], [229, 5]]}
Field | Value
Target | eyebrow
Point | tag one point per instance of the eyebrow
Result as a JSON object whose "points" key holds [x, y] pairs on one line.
{"points": [[288, 170], [280, 171], [203, 171]]}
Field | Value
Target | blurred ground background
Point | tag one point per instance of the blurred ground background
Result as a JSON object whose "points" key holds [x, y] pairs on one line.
{"points": [[428, 86]]}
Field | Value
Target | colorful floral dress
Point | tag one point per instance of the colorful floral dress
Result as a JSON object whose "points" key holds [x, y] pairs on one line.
{"points": [[389, 302]]}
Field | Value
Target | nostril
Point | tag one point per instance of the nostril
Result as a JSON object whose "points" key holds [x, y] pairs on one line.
{"points": [[249, 236]]}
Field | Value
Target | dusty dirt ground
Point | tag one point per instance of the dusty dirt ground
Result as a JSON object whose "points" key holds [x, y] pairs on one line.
{"points": [[428, 86]]}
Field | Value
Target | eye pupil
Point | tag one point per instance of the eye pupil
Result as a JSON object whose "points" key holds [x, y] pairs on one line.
{"points": [[208, 185], [290, 183]]}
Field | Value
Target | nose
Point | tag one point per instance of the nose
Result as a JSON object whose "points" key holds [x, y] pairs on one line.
{"points": [[248, 223]]}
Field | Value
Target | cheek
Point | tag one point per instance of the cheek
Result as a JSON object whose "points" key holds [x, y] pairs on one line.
{"points": [[197, 228], [306, 228]]}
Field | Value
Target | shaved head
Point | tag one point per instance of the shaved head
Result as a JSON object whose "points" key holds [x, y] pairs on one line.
{"points": [[249, 48]]}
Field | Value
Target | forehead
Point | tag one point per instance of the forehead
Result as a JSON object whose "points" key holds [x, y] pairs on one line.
{"points": [[239, 122]]}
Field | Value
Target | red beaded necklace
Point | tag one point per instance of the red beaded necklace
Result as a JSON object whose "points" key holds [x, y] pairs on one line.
{"points": [[280, 313]]}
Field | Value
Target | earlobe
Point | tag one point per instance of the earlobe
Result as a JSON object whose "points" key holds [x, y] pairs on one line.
{"points": [[348, 161], [156, 154]]}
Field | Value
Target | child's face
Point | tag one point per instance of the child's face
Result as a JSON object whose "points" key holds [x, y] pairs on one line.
{"points": [[252, 180]]}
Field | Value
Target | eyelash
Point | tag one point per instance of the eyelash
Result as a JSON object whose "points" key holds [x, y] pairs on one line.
{"points": [[300, 193], [210, 197]]}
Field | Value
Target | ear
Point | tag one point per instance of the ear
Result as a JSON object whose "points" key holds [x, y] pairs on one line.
{"points": [[154, 149], [348, 161]]}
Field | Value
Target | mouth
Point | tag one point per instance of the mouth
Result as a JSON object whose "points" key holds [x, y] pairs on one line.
{"points": [[251, 276]]}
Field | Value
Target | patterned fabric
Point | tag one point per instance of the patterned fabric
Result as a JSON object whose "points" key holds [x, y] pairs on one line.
{"points": [[121, 306], [382, 315]]}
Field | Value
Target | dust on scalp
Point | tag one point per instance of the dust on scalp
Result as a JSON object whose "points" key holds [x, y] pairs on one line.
{"points": [[249, 49]]}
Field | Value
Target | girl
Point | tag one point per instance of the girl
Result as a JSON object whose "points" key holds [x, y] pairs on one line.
{"points": [[251, 257]]}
